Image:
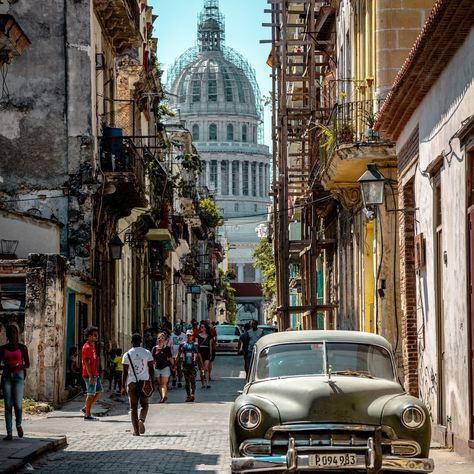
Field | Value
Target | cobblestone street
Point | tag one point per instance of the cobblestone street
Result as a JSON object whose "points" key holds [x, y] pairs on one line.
{"points": [[181, 438]]}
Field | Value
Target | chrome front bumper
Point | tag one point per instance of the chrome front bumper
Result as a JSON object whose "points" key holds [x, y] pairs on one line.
{"points": [[301, 462]]}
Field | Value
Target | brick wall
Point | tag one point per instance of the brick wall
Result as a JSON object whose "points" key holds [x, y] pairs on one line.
{"points": [[408, 289]]}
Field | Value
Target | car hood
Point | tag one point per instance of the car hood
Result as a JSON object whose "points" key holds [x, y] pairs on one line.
{"points": [[344, 399]]}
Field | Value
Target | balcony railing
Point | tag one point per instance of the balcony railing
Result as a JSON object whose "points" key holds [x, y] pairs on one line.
{"points": [[119, 155], [349, 122]]}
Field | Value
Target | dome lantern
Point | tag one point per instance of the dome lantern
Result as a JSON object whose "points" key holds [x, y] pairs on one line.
{"points": [[211, 31]]}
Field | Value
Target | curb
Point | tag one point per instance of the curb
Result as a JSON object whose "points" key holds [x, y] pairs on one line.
{"points": [[16, 461]]}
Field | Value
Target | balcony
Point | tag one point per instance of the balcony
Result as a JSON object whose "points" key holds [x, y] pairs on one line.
{"points": [[348, 144], [124, 173], [120, 20]]}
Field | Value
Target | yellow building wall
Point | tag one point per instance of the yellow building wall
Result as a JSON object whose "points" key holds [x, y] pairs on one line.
{"points": [[369, 283]]}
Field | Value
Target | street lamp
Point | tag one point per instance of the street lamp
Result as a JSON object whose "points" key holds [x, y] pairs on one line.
{"points": [[372, 184], [115, 247]]}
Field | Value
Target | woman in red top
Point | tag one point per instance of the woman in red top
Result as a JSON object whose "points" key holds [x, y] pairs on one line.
{"points": [[163, 358], [13, 360]]}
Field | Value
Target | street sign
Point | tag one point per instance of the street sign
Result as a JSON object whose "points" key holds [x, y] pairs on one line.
{"points": [[193, 289]]}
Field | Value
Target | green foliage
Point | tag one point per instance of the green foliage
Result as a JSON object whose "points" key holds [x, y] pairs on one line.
{"points": [[230, 306], [264, 260], [166, 111], [190, 162], [209, 213]]}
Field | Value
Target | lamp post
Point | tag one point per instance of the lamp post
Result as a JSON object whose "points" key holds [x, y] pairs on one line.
{"points": [[115, 247], [372, 184]]}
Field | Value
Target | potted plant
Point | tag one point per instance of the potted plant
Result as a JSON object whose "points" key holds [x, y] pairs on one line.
{"points": [[368, 117], [345, 132]]}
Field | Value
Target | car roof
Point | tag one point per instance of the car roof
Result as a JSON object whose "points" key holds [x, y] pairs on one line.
{"points": [[319, 335]]}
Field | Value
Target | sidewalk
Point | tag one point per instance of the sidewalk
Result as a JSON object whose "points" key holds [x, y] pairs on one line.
{"points": [[15, 454], [18, 452]]}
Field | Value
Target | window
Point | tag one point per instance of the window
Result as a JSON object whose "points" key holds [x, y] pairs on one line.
{"points": [[244, 133], [230, 133], [254, 131], [12, 294], [245, 178], [260, 178], [202, 176], [213, 132], [240, 89], [212, 87], [195, 132], [225, 178], [236, 207], [255, 207], [213, 175], [235, 178], [228, 88], [254, 179], [196, 90]]}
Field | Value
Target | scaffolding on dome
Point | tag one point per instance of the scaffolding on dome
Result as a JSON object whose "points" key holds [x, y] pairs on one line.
{"points": [[234, 57], [211, 27]]}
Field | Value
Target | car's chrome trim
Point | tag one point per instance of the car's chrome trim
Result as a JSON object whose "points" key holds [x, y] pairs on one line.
{"points": [[316, 427], [405, 445]]}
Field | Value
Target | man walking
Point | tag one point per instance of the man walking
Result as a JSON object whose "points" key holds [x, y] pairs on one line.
{"points": [[90, 372], [244, 347], [188, 355], [137, 366], [177, 338]]}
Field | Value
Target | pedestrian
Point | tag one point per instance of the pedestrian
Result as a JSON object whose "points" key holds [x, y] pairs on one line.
{"points": [[118, 370], [177, 338], [244, 347], [111, 367], [163, 359], [137, 367], [166, 324], [73, 371], [188, 357], [255, 333], [90, 372], [205, 351], [14, 361], [195, 329], [214, 347]]}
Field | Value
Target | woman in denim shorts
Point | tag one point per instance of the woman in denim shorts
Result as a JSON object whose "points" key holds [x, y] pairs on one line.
{"points": [[163, 358]]}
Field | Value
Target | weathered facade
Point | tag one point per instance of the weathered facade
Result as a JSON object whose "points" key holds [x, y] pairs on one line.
{"points": [[429, 114], [328, 88], [79, 143]]}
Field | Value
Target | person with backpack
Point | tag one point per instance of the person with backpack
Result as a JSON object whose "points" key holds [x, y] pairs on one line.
{"points": [[188, 357]]}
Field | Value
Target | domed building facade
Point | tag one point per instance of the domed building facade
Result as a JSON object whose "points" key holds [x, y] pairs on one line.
{"points": [[215, 92]]}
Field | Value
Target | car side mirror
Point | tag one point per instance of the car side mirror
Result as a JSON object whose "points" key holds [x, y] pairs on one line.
{"points": [[240, 392]]}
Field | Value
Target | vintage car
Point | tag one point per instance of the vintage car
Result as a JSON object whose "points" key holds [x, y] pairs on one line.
{"points": [[327, 401]]}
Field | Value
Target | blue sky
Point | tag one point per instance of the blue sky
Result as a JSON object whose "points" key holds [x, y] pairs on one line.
{"points": [[176, 31]]}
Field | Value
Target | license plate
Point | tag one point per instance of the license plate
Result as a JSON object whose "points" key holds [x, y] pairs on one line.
{"points": [[332, 460]]}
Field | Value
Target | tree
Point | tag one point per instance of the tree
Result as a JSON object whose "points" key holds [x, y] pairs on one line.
{"points": [[264, 260], [209, 213]]}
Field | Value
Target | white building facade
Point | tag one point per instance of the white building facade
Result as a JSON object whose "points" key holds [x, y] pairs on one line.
{"points": [[216, 94]]}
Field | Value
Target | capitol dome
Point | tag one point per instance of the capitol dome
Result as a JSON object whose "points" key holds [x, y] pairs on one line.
{"points": [[216, 94]]}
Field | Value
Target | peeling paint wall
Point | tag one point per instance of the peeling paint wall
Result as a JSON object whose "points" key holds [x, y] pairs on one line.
{"points": [[45, 326]]}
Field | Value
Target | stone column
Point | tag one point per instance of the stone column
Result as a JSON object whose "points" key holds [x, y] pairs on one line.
{"points": [[240, 272]]}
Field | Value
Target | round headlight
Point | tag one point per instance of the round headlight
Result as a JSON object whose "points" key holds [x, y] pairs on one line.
{"points": [[413, 417], [249, 417]]}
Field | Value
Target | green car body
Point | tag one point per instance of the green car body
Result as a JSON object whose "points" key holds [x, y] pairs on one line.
{"points": [[348, 421]]}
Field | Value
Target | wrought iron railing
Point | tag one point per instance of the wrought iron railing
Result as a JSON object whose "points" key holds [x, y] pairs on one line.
{"points": [[349, 122], [119, 155]]}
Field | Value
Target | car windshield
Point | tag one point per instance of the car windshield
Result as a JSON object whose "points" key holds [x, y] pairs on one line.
{"points": [[227, 331], [349, 359], [268, 329]]}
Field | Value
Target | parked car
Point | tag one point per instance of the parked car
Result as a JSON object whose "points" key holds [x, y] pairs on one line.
{"points": [[325, 400], [268, 329], [227, 337]]}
